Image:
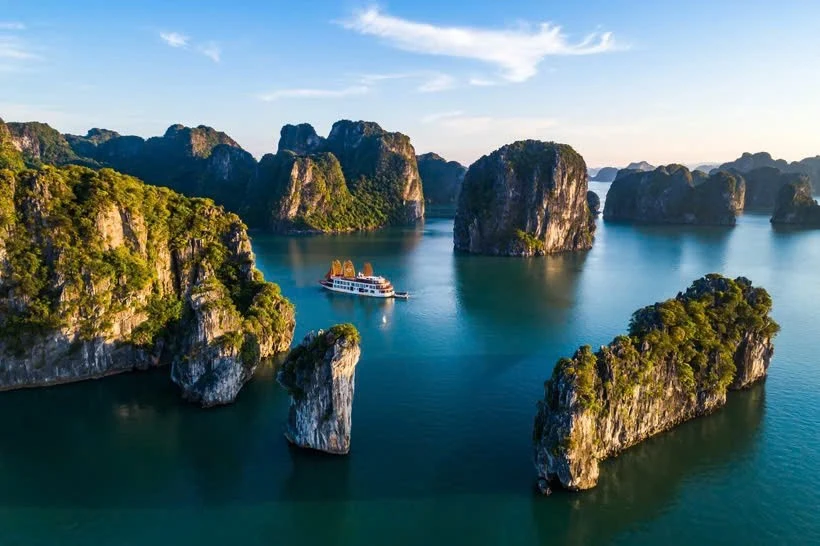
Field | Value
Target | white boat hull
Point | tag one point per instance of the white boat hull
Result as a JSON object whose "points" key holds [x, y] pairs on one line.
{"points": [[357, 293]]}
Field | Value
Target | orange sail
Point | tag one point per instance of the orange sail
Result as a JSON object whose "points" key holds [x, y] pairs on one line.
{"points": [[348, 270], [336, 268], [367, 270]]}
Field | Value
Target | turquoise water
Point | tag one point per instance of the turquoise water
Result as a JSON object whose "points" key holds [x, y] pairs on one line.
{"points": [[445, 396]]}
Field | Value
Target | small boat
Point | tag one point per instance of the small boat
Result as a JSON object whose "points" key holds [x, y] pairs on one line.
{"points": [[344, 278]]}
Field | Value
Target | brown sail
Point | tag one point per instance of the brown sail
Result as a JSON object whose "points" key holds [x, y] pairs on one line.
{"points": [[349, 270], [367, 270], [336, 268]]}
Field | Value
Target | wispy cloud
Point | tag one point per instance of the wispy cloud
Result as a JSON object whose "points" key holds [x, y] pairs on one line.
{"points": [[371, 79], [432, 118], [179, 40], [12, 25], [174, 39], [313, 93], [212, 51], [483, 82], [517, 52], [516, 127], [14, 49], [439, 82]]}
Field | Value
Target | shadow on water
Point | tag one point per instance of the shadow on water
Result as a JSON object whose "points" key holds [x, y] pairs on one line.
{"points": [[518, 293], [641, 483]]}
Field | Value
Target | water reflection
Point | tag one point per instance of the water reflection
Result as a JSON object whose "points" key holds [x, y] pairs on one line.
{"points": [[641, 483], [518, 293]]}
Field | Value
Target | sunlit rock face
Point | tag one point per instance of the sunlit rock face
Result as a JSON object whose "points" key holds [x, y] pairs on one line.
{"points": [[525, 199]]}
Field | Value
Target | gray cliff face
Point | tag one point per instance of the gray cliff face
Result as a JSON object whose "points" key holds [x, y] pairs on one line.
{"points": [[136, 291], [674, 195], [796, 206], [527, 198], [320, 376], [599, 404]]}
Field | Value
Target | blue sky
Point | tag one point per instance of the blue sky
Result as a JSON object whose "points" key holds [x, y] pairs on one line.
{"points": [[620, 81]]}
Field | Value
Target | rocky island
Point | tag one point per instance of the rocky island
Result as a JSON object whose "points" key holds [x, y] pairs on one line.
{"points": [[360, 177], [673, 194], [101, 273], [319, 374], [605, 174], [677, 362], [795, 205], [525, 199], [747, 162]]}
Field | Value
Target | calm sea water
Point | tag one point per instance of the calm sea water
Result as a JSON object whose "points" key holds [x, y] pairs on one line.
{"points": [[445, 397]]}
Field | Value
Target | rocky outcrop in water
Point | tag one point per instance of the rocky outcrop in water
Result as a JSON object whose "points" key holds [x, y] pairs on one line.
{"points": [[796, 206], [605, 174], [677, 363], [100, 274], [360, 177], [441, 179], [319, 374], [525, 199], [763, 186], [675, 195], [748, 162], [594, 203]]}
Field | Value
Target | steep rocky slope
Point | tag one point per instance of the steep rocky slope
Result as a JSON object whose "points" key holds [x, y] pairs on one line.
{"points": [[101, 273], [527, 198], [747, 162], [319, 374], [40, 144], [379, 183], [675, 195], [196, 161], [677, 363]]}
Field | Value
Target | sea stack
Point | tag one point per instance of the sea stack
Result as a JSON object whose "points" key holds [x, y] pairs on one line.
{"points": [[674, 195], [528, 198], [319, 374], [677, 363]]}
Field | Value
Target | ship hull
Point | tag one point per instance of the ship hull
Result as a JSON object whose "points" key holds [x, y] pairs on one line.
{"points": [[356, 292]]}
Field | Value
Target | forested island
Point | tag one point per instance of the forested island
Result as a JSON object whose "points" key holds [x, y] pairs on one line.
{"points": [[101, 273], [677, 362]]}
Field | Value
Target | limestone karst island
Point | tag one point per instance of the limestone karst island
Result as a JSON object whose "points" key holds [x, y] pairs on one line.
{"points": [[347, 274]]}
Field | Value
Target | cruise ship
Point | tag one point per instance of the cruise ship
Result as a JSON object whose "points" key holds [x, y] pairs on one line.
{"points": [[344, 278]]}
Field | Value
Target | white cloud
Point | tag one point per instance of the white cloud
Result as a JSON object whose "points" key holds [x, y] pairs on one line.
{"points": [[517, 52], [313, 93], [12, 25], [212, 51], [174, 39], [439, 82]]}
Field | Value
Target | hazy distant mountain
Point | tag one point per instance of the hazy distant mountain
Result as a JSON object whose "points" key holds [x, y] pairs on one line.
{"points": [[605, 174], [707, 167], [809, 166], [640, 166]]}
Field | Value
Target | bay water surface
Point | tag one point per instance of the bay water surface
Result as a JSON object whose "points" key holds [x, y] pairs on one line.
{"points": [[442, 421]]}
